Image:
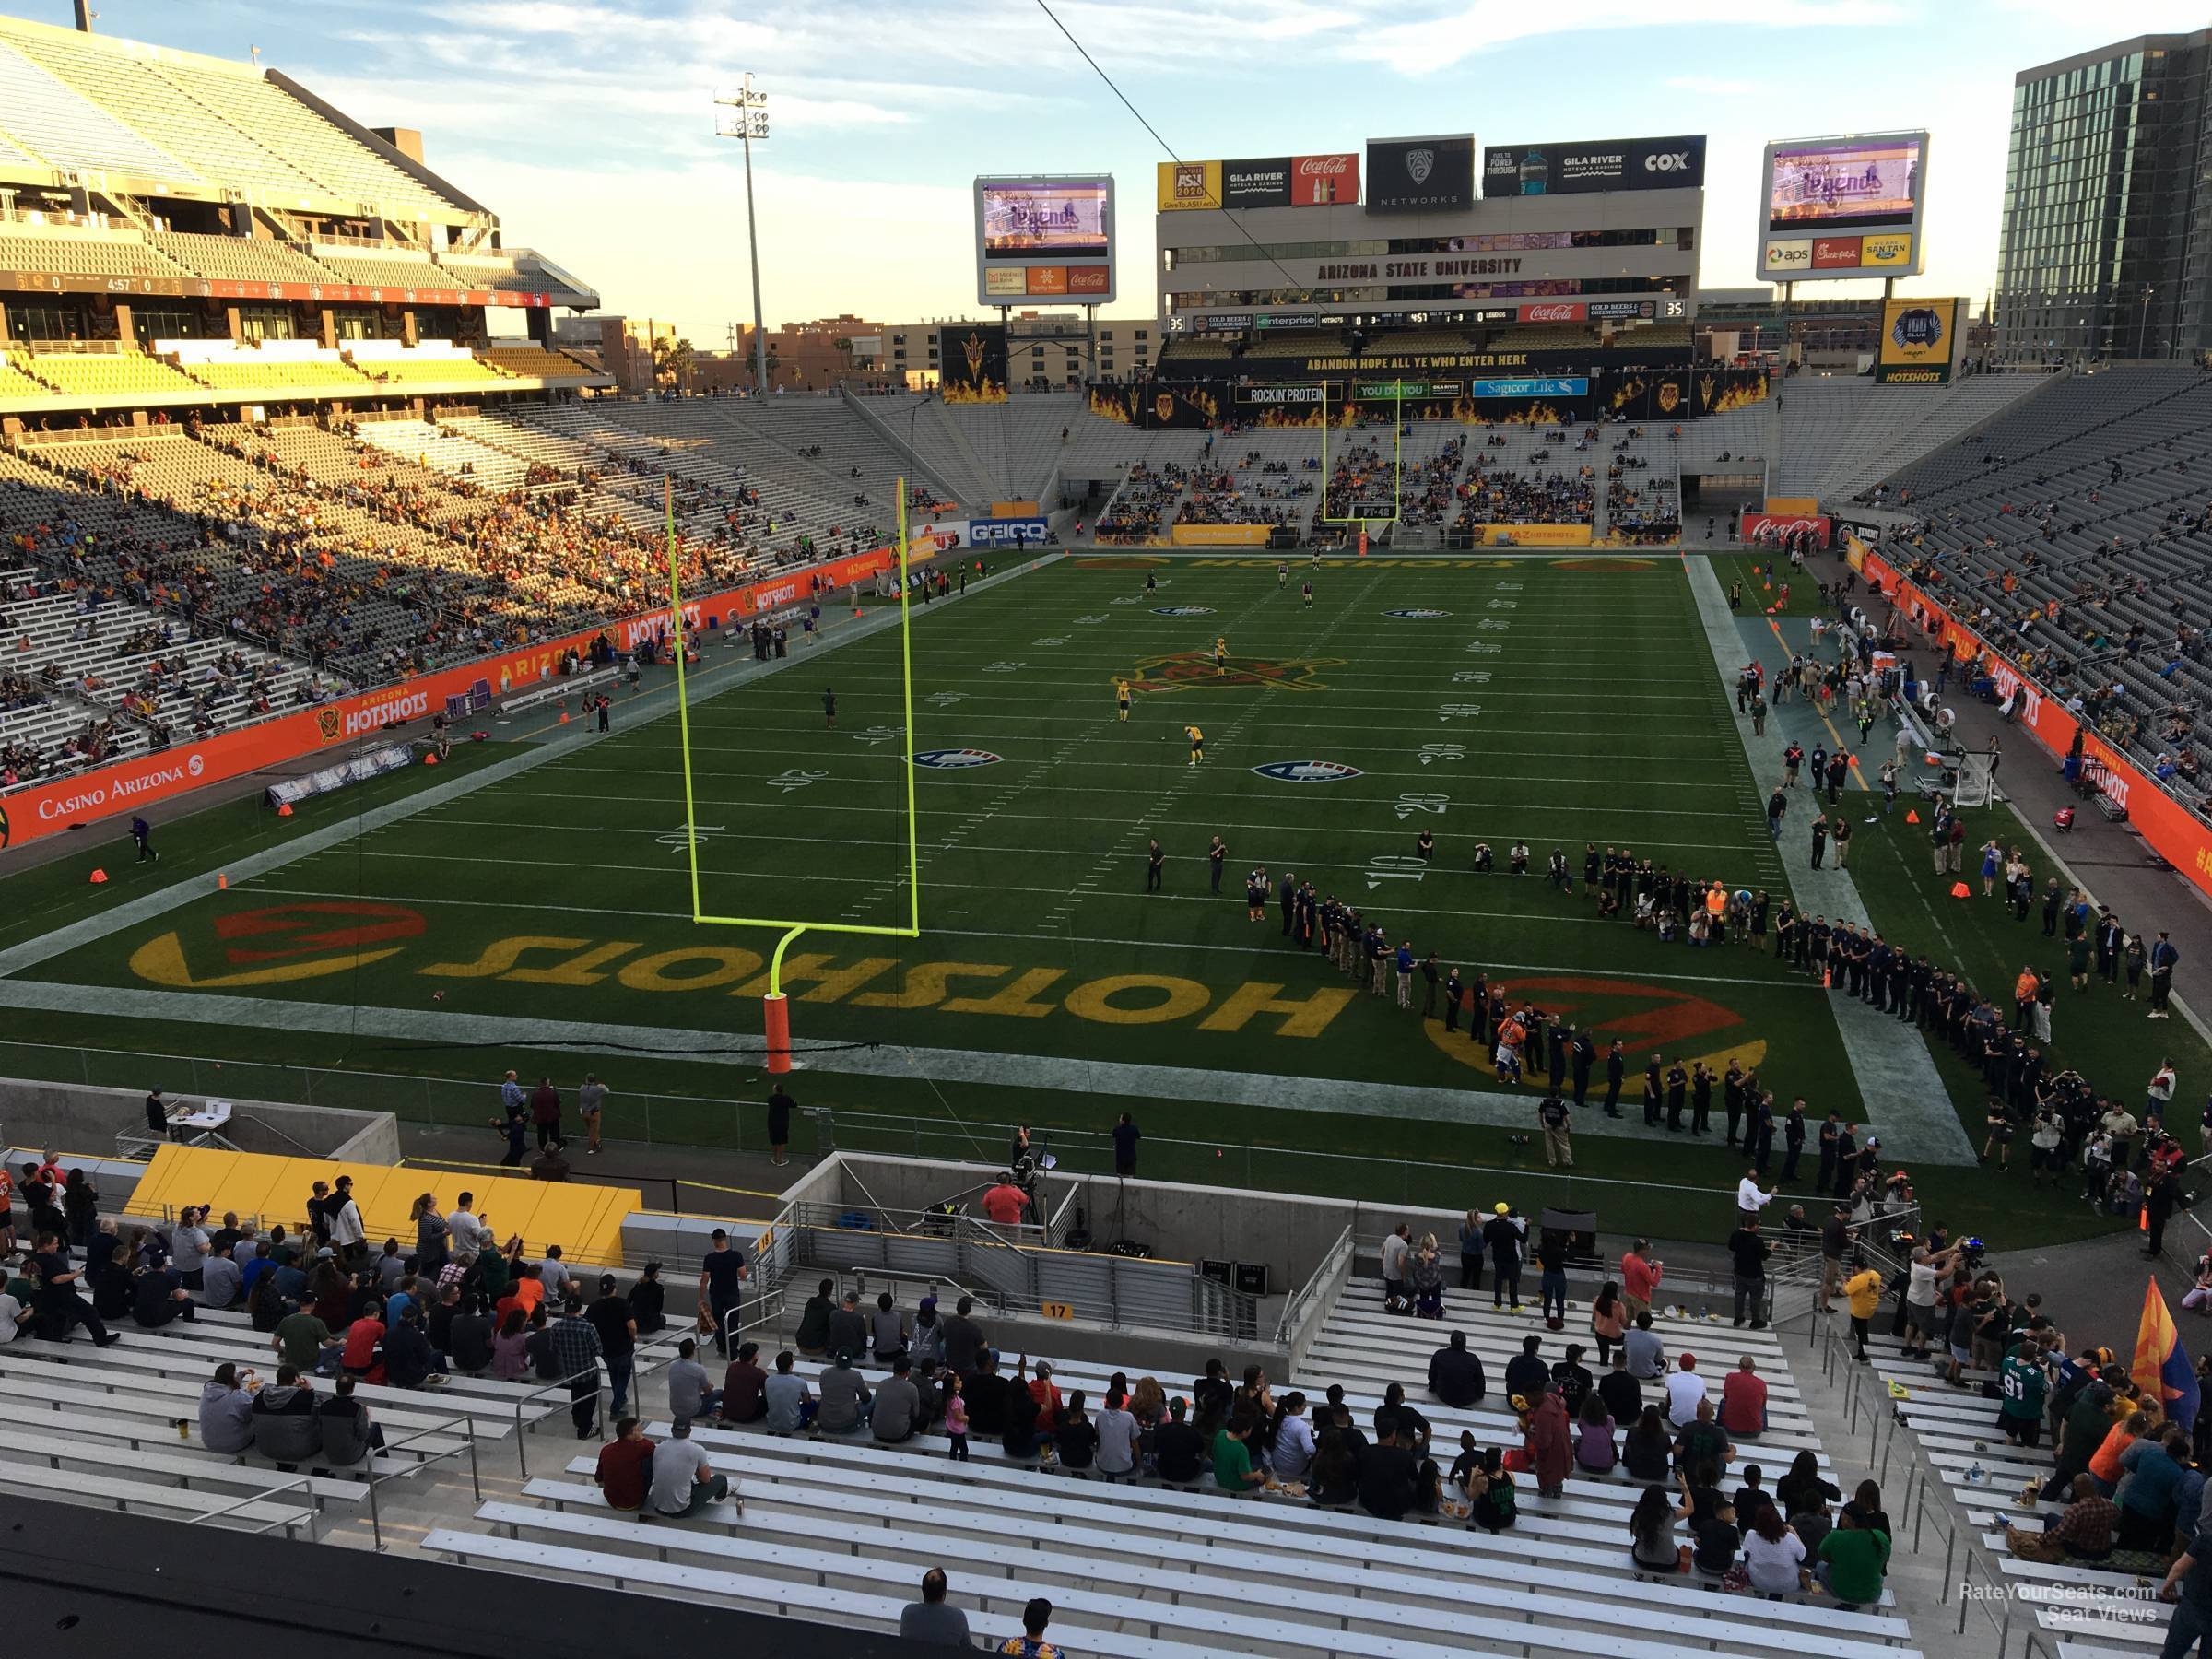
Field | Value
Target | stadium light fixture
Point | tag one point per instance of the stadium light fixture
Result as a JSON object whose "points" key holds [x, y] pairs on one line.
{"points": [[747, 119]]}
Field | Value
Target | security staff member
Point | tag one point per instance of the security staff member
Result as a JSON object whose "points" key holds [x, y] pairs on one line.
{"points": [[1616, 1069], [1653, 1091], [1215, 856], [1678, 1086], [1153, 862]]}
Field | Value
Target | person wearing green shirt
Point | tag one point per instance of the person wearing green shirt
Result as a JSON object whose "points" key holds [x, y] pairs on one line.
{"points": [[299, 1339], [1232, 1462], [1853, 1559], [2021, 1386]]}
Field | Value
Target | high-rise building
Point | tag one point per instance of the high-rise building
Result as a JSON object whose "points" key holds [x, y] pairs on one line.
{"points": [[2107, 247]]}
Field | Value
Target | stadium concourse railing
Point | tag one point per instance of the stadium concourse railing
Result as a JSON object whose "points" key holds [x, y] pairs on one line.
{"points": [[738, 1124]]}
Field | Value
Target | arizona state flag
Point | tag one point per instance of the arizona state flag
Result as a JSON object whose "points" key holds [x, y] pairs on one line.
{"points": [[2161, 1369]]}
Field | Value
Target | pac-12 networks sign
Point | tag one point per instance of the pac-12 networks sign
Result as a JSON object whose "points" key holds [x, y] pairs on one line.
{"points": [[49, 807]]}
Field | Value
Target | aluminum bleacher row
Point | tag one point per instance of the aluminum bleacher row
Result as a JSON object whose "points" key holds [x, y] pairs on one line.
{"points": [[1144, 1569], [2070, 527]]}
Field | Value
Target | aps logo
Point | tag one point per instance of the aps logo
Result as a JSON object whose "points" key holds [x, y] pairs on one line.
{"points": [[1418, 616], [953, 759], [1183, 610], [1307, 771]]}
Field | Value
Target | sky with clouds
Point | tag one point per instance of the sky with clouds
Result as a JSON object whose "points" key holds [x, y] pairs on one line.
{"points": [[588, 124]]}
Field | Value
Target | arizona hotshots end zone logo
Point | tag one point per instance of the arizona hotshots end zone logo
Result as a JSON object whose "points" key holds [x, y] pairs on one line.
{"points": [[1184, 669], [276, 945], [1645, 1017]]}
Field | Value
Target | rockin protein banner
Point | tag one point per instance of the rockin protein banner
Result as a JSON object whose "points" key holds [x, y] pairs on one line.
{"points": [[26, 815], [2174, 832]]}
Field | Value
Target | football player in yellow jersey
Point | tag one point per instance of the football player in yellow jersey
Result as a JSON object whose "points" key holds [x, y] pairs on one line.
{"points": [[1121, 700], [1197, 739], [1221, 656]]}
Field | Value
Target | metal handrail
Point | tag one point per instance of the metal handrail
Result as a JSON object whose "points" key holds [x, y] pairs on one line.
{"points": [[522, 1454], [1333, 1262], [475, 1479], [305, 1482], [2003, 1625]]}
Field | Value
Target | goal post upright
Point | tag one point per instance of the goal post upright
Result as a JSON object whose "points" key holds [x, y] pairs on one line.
{"points": [[775, 1010]]}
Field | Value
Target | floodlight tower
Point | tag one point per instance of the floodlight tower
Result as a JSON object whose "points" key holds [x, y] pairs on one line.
{"points": [[747, 119]]}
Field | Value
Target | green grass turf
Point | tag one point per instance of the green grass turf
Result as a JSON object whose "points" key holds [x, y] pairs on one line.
{"points": [[2107, 1038], [1598, 717]]}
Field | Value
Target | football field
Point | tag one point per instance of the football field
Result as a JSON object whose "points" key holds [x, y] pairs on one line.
{"points": [[542, 914]]}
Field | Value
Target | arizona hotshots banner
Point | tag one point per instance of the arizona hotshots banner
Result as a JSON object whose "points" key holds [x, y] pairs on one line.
{"points": [[972, 363], [1920, 341], [45, 808]]}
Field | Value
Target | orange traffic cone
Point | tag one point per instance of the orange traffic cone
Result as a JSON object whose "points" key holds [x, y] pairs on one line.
{"points": [[222, 882], [98, 877], [432, 760], [284, 809], [564, 717], [1961, 891]]}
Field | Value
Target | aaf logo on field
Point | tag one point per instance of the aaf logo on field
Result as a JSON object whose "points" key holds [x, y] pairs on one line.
{"points": [[1183, 610], [1418, 616], [952, 759], [1307, 771]]}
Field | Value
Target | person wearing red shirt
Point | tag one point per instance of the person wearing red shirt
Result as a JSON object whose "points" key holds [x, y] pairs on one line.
{"points": [[1639, 1280], [625, 1469], [359, 1360], [1005, 1201], [1044, 1390], [1744, 1399]]}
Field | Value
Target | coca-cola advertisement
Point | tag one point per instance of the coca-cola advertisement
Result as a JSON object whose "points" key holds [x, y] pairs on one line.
{"points": [[1555, 311], [1324, 180]]}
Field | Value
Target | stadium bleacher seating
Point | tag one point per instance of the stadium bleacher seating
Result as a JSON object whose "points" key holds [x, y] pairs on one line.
{"points": [[1839, 435], [105, 254], [240, 258], [113, 375]]}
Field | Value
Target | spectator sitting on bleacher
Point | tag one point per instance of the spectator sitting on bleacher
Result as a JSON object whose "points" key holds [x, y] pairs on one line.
{"points": [[2150, 1487], [683, 1481], [932, 1621], [158, 1296], [625, 1469], [349, 1434], [1648, 1452], [886, 1331], [812, 1337], [468, 1339], [1390, 1475], [843, 1393], [409, 1360], [226, 1412], [848, 1329], [1853, 1560], [1456, 1373], [692, 1392], [1685, 1390], [2083, 1532], [1232, 1456], [285, 1429], [743, 1383], [895, 1408], [1525, 1372], [219, 1276], [1178, 1450], [1744, 1399], [785, 1396], [359, 1359], [1652, 1545]]}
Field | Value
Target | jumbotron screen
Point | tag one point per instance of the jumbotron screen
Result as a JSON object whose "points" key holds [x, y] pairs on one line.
{"points": [[1068, 218], [1872, 183]]}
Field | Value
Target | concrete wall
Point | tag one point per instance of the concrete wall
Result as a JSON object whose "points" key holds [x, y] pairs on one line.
{"points": [[76, 1118]]}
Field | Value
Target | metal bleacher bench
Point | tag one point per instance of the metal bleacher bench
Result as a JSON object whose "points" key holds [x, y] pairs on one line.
{"points": [[553, 689]]}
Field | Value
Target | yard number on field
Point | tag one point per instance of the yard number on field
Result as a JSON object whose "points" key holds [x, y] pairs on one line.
{"points": [[1049, 640], [1004, 668], [1408, 805], [1505, 604], [1394, 867], [1484, 648], [944, 700], [878, 733], [1457, 710], [798, 777], [1432, 752], [1472, 676]]}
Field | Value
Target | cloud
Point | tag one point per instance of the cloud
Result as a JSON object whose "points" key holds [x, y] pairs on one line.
{"points": [[1423, 46], [1710, 87]]}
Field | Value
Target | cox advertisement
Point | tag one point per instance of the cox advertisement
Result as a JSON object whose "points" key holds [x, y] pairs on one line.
{"points": [[1579, 169], [28, 813]]}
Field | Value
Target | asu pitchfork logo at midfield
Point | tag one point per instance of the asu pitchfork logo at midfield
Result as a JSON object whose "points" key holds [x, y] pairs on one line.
{"points": [[1184, 669]]}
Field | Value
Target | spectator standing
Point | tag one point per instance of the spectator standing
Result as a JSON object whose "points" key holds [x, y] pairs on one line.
{"points": [[617, 1328], [721, 1276], [577, 1350], [590, 1099]]}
